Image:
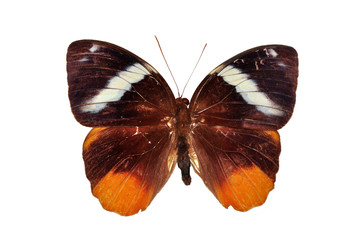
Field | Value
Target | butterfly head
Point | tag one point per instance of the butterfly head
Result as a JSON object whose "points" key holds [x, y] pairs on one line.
{"points": [[182, 101]]}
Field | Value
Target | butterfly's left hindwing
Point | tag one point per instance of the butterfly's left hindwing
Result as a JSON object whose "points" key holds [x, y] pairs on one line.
{"points": [[128, 166], [110, 86]]}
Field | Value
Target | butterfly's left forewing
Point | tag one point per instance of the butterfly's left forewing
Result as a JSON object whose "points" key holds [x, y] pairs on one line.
{"points": [[129, 154], [235, 113], [110, 86]]}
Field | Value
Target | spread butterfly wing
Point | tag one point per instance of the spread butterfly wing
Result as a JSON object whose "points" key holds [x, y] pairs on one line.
{"points": [[235, 113], [128, 166], [237, 165], [254, 89], [128, 155], [110, 86]]}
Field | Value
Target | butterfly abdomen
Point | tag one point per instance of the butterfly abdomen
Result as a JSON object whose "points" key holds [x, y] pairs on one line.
{"points": [[182, 128], [183, 159]]}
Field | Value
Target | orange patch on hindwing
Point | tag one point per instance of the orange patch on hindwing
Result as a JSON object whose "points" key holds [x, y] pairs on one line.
{"points": [[275, 136], [244, 189], [123, 193], [92, 136]]}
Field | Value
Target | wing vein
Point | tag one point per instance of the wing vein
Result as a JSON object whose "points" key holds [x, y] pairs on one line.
{"points": [[223, 173], [142, 182], [117, 191], [239, 120], [252, 149], [157, 169], [251, 183], [245, 146], [215, 104], [121, 185], [155, 106]]}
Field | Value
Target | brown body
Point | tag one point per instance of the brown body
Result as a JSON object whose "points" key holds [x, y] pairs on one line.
{"points": [[182, 128]]}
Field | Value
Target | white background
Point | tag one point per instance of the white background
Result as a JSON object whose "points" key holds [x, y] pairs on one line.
{"points": [[44, 193]]}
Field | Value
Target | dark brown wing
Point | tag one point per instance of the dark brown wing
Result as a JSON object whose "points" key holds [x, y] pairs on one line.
{"points": [[128, 166], [235, 113], [129, 154], [237, 165], [254, 89], [110, 86]]}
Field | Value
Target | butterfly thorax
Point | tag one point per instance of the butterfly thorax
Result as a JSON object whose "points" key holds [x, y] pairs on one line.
{"points": [[182, 129]]}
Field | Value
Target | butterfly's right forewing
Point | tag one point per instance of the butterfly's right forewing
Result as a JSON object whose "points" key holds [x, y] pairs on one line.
{"points": [[255, 89]]}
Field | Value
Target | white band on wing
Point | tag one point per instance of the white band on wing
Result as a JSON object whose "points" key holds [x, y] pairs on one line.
{"points": [[115, 88], [249, 91]]}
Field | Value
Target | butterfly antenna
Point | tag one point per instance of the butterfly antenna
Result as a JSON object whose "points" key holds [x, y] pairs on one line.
{"points": [[167, 65], [194, 69]]}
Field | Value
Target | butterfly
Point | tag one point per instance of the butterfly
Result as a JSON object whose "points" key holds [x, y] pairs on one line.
{"points": [[140, 131]]}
